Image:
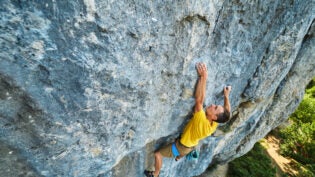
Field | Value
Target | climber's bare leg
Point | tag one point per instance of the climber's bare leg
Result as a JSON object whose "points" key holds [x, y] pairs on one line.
{"points": [[158, 163]]}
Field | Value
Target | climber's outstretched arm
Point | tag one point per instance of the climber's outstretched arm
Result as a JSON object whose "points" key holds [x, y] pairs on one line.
{"points": [[201, 86], [226, 93]]}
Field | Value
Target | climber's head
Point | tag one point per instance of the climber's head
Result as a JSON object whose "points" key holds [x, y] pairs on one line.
{"points": [[217, 113], [223, 117]]}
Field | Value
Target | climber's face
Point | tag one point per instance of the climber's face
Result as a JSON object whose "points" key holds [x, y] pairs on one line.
{"points": [[213, 110]]}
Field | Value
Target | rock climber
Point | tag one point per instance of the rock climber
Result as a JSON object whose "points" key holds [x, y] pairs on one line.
{"points": [[201, 125]]}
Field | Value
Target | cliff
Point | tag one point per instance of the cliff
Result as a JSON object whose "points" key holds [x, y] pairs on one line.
{"points": [[90, 88]]}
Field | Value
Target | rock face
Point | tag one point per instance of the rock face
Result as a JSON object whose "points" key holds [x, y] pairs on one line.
{"points": [[91, 88]]}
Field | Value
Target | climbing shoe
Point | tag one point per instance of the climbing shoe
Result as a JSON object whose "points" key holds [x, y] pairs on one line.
{"points": [[148, 173]]}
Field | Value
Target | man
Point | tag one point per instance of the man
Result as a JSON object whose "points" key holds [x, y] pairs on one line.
{"points": [[202, 124]]}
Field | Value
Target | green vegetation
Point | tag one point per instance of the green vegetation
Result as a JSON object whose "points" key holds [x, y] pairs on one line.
{"points": [[297, 142], [298, 139], [254, 164]]}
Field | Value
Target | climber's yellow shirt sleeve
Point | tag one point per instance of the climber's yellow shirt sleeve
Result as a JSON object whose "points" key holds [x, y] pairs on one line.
{"points": [[197, 128]]}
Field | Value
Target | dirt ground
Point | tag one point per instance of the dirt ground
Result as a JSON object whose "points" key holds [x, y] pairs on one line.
{"points": [[283, 163], [272, 145]]}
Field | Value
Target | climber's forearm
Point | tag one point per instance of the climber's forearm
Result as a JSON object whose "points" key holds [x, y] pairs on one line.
{"points": [[201, 90], [226, 93], [227, 105]]}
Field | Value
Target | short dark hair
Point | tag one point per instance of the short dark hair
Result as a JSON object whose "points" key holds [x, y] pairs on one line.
{"points": [[223, 117]]}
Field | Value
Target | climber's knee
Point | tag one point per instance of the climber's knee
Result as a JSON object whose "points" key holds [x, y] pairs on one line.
{"points": [[157, 154]]}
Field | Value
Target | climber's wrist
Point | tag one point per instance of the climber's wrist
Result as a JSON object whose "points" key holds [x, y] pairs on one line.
{"points": [[203, 76]]}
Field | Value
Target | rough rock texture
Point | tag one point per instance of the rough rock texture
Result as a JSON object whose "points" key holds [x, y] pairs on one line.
{"points": [[91, 87]]}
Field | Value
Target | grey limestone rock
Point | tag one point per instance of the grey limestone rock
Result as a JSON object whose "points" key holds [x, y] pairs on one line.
{"points": [[92, 87]]}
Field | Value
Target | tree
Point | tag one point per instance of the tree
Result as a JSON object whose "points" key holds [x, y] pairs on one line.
{"points": [[255, 164], [298, 139]]}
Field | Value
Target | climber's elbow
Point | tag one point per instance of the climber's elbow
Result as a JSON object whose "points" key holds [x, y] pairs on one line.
{"points": [[198, 105]]}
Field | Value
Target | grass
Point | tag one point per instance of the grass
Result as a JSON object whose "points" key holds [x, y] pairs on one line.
{"points": [[254, 164]]}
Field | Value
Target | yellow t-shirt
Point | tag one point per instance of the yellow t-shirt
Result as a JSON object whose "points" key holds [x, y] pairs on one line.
{"points": [[197, 128]]}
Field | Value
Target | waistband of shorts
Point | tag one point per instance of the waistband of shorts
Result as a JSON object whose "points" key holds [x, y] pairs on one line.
{"points": [[184, 145]]}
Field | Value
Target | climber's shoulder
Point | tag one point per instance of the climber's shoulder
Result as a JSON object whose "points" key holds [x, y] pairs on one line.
{"points": [[198, 107]]}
